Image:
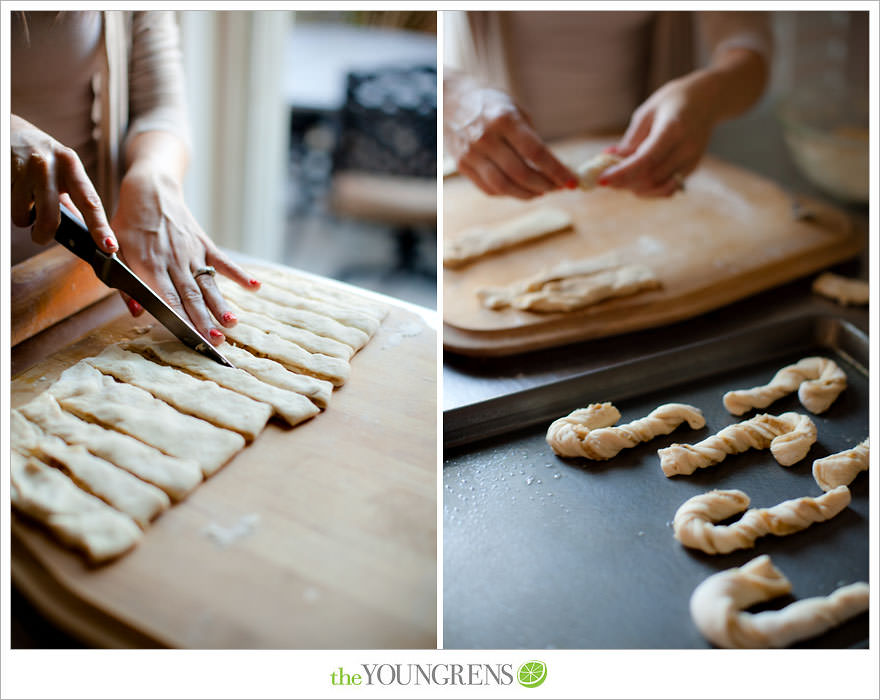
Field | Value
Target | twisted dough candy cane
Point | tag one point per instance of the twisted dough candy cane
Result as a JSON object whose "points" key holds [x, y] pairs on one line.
{"points": [[717, 606], [841, 468], [694, 522], [789, 437], [586, 432], [818, 381]]}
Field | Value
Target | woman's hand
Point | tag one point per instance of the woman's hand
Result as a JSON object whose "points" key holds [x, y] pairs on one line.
{"points": [[45, 172], [163, 244], [494, 144], [669, 132]]}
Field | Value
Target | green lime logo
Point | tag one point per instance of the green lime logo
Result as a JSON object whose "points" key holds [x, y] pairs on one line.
{"points": [[531, 674]]}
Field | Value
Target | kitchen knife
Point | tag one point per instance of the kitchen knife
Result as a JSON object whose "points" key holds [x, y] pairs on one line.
{"points": [[74, 236]]}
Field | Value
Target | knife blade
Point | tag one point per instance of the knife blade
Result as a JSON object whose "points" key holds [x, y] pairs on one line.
{"points": [[74, 236]]}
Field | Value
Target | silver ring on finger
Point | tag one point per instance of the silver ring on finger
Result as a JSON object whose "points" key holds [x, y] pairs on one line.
{"points": [[205, 270]]}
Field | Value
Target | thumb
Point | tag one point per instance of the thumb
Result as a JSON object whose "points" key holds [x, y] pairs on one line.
{"points": [[637, 131]]}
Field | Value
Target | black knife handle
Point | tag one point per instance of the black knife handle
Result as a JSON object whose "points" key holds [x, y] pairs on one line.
{"points": [[74, 236]]}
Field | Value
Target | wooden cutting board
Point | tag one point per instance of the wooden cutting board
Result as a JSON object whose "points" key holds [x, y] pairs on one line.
{"points": [[730, 234], [342, 513]]}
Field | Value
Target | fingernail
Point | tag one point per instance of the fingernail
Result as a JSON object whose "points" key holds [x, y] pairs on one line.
{"points": [[110, 244], [610, 149], [229, 317], [214, 333], [134, 308], [254, 283], [571, 184], [603, 181]]}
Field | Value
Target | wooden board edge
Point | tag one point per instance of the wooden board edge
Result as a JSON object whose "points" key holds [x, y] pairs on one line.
{"points": [[512, 341], [71, 613], [49, 287]]}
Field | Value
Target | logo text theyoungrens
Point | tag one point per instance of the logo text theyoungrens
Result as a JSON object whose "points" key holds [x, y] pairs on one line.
{"points": [[425, 674]]}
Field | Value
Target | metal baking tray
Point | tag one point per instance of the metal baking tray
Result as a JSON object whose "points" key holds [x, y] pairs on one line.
{"points": [[545, 552]]}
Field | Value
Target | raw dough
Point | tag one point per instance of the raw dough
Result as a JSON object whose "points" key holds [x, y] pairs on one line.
{"points": [[307, 340], [586, 432], [137, 499], [83, 390], [316, 323], [789, 437], [694, 522], [302, 287], [477, 242], [845, 291], [175, 476], [196, 397], [717, 606], [77, 518], [818, 381], [841, 468], [289, 354], [571, 285], [269, 371], [588, 173], [293, 408], [346, 315]]}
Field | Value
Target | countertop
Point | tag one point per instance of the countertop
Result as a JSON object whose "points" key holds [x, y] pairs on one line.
{"points": [[755, 142]]}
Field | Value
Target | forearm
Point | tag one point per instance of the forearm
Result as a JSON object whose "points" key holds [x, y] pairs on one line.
{"points": [[159, 152], [733, 82]]}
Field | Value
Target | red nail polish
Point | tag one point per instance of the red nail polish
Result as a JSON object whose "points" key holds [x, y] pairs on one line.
{"points": [[603, 181], [571, 184], [134, 308], [214, 333], [254, 283], [229, 317], [110, 244]]}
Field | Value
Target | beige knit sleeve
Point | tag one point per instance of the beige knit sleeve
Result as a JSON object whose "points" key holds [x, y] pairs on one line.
{"points": [[157, 92]]}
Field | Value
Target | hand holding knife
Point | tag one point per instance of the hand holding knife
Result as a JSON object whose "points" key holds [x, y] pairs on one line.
{"points": [[73, 235]]}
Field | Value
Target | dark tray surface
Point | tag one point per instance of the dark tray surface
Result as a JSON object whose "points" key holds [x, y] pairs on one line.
{"points": [[544, 552]]}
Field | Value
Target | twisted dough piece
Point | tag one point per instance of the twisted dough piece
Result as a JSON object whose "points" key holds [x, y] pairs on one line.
{"points": [[789, 437], [694, 522], [586, 432], [717, 606], [818, 381], [841, 468]]}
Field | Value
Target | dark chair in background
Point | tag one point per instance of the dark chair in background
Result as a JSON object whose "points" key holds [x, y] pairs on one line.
{"points": [[385, 163]]}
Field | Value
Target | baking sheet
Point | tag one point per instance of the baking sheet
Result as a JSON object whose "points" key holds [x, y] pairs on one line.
{"points": [[545, 552]]}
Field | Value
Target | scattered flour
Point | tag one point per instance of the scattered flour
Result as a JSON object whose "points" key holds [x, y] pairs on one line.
{"points": [[406, 330], [225, 536]]}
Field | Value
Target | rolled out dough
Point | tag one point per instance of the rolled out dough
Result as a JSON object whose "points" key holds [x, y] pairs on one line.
{"points": [[137, 499], [306, 339], [588, 173], [346, 315], [293, 408], [316, 323], [197, 397], [175, 476], [77, 518], [269, 371], [571, 285], [83, 390], [289, 354], [302, 287], [480, 241]]}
